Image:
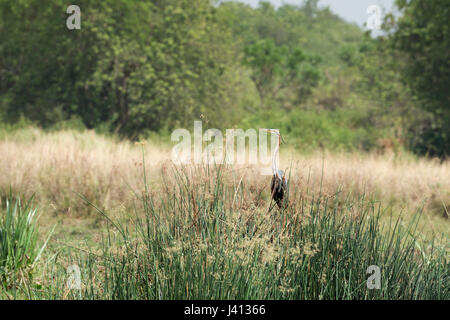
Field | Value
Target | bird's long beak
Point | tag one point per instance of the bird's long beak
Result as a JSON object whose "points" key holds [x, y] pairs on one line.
{"points": [[269, 130], [272, 131]]}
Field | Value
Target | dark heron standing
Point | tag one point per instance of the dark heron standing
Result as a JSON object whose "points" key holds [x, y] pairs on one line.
{"points": [[279, 185]]}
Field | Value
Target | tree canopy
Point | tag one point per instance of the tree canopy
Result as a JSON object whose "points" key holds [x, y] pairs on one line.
{"points": [[137, 67]]}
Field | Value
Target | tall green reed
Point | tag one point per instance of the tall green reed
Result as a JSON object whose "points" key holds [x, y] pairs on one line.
{"points": [[19, 249]]}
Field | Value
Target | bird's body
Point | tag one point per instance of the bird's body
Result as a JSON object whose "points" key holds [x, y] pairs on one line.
{"points": [[278, 187]]}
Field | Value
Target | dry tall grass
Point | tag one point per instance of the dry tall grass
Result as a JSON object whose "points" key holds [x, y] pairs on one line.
{"points": [[56, 166]]}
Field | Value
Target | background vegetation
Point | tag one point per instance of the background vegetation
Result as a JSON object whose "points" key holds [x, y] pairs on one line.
{"points": [[142, 67]]}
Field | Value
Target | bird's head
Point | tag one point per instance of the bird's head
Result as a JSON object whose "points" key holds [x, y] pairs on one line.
{"points": [[277, 132]]}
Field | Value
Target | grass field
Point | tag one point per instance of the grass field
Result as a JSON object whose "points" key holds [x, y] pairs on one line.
{"points": [[138, 227]]}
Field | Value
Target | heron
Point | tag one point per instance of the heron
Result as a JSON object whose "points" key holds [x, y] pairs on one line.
{"points": [[279, 183]]}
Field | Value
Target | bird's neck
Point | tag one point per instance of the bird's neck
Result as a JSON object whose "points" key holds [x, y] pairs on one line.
{"points": [[274, 160]]}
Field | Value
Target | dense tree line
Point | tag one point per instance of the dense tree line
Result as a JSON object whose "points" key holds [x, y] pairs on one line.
{"points": [[149, 66], [133, 65], [422, 36]]}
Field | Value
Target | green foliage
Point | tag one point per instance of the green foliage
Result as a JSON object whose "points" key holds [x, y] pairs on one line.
{"points": [[320, 32], [387, 101], [275, 69], [309, 130], [19, 249], [134, 65], [422, 34], [349, 54]]}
